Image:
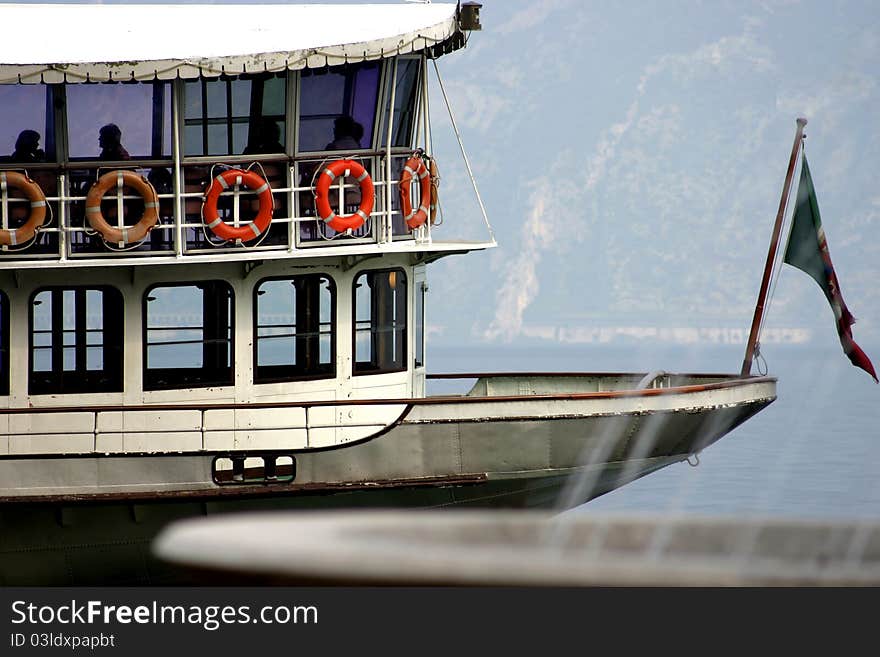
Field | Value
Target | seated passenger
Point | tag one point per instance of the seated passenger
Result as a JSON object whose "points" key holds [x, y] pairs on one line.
{"points": [[27, 148], [347, 134], [265, 138], [162, 181], [110, 141]]}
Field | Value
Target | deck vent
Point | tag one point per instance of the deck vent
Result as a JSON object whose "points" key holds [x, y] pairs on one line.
{"points": [[469, 16]]}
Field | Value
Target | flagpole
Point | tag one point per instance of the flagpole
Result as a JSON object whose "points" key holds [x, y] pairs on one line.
{"points": [[771, 253]]}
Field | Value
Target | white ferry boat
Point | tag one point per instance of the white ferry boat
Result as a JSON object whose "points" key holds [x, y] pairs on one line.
{"points": [[215, 228]]}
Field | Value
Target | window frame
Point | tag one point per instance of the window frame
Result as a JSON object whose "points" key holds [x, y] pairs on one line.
{"points": [[376, 142], [49, 137], [5, 366], [385, 111], [80, 380], [157, 130], [230, 119], [420, 291], [185, 378], [285, 373], [404, 360]]}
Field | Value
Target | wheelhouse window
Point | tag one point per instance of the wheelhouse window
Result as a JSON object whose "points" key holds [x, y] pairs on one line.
{"points": [[380, 321], [295, 328], [117, 122], [27, 129], [188, 335], [76, 340], [405, 100], [244, 115], [4, 343], [337, 107]]}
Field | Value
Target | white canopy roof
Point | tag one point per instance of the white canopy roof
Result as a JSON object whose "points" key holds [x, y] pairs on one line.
{"points": [[75, 43]]}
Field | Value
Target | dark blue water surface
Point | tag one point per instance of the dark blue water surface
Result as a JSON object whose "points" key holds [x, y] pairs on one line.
{"points": [[814, 452]]}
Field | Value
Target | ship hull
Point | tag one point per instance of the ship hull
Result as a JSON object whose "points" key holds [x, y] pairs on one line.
{"points": [[91, 543], [90, 520]]}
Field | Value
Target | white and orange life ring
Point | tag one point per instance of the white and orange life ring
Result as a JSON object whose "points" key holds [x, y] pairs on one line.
{"points": [[253, 182], [344, 168], [415, 166], [125, 235], [33, 193]]}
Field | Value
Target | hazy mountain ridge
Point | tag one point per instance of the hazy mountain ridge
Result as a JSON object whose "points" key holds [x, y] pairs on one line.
{"points": [[627, 175]]}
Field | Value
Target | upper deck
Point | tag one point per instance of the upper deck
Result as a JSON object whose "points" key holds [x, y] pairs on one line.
{"points": [[110, 141]]}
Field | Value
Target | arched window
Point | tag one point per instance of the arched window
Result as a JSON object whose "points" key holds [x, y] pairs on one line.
{"points": [[188, 335], [4, 343], [295, 328], [380, 321]]}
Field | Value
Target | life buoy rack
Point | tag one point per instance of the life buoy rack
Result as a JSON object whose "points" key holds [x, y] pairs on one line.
{"points": [[127, 234], [435, 191], [33, 193], [253, 182], [415, 166], [344, 168]]}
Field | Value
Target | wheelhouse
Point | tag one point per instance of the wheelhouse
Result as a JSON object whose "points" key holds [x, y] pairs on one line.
{"points": [[180, 135]]}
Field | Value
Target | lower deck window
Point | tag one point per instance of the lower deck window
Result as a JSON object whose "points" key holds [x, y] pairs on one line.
{"points": [[76, 340], [188, 336], [419, 319], [4, 344], [380, 321], [295, 328]]}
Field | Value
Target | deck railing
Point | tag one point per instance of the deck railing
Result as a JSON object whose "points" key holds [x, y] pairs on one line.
{"points": [[181, 231]]}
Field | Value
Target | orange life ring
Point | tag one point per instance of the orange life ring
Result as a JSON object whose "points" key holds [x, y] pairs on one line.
{"points": [[344, 168], [125, 235], [415, 166], [33, 193], [253, 182]]}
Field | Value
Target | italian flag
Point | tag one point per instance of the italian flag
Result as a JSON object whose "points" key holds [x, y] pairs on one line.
{"points": [[808, 251]]}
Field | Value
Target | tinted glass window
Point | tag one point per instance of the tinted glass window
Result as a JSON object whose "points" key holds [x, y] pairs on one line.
{"points": [[338, 108], [26, 124], [380, 321], [119, 121], [76, 340], [188, 335], [231, 117], [295, 328], [405, 101]]}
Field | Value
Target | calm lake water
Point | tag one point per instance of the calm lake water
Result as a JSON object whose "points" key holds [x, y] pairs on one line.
{"points": [[814, 452]]}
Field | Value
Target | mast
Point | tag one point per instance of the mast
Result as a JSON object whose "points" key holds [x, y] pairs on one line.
{"points": [[771, 253]]}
